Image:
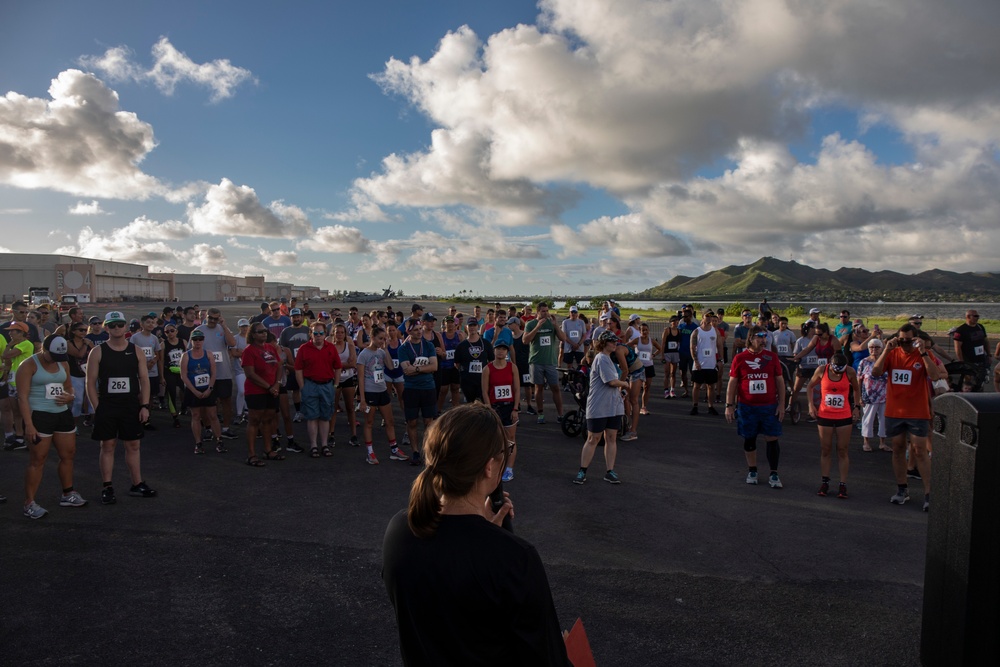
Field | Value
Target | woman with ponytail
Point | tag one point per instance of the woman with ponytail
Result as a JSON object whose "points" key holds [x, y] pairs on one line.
{"points": [[465, 591]]}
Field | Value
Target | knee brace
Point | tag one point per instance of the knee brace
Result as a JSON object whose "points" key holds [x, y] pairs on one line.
{"points": [[750, 444]]}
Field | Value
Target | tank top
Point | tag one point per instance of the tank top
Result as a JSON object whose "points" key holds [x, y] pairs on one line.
{"points": [[346, 371], [521, 353], [118, 375], [707, 347], [393, 371], [501, 384], [172, 354], [824, 352], [645, 351], [673, 343], [45, 386], [834, 394], [199, 371], [450, 345], [78, 359]]}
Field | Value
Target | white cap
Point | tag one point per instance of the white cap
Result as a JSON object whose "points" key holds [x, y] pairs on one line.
{"points": [[814, 311], [244, 322], [574, 309], [633, 317]]}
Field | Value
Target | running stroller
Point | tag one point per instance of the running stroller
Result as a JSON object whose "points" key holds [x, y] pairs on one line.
{"points": [[575, 421], [965, 377]]}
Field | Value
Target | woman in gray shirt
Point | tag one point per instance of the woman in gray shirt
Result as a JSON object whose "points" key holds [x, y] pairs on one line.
{"points": [[605, 408]]}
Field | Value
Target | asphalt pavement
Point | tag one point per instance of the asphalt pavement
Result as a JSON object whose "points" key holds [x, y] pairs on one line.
{"points": [[683, 563]]}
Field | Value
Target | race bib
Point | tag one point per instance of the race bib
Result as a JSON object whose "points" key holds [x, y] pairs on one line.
{"points": [[979, 350], [118, 386], [783, 350], [835, 401], [175, 357], [201, 380], [707, 352], [821, 361], [379, 377], [54, 390], [758, 387], [421, 361], [644, 355], [148, 351], [902, 377], [218, 357], [545, 341], [475, 367], [671, 345], [503, 392], [526, 379], [449, 354], [574, 335], [395, 363]]}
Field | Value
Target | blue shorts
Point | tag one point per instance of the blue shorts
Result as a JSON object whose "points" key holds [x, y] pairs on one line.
{"points": [[752, 420], [317, 401]]}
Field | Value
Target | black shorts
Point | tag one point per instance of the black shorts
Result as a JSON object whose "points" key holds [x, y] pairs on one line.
{"points": [[472, 392], [834, 423], [192, 401], [420, 403], [506, 412], [291, 383], [806, 373], [223, 389], [449, 376], [650, 372], [349, 383], [573, 357], [377, 399], [602, 424], [705, 376], [48, 423], [918, 428], [686, 362], [117, 421], [261, 402]]}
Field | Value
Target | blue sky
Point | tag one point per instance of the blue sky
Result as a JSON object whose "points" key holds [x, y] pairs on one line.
{"points": [[577, 147]]}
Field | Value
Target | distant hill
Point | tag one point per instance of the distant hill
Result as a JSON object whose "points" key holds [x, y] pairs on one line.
{"points": [[791, 281]]}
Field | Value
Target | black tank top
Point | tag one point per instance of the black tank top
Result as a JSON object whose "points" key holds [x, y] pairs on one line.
{"points": [[77, 356], [118, 375]]}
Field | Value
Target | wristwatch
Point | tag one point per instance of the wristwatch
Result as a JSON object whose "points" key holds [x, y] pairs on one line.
{"points": [[144, 405]]}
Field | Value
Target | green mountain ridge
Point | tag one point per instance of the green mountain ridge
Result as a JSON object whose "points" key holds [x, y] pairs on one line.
{"points": [[780, 280]]}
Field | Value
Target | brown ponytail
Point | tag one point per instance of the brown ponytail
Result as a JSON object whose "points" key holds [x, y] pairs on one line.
{"points": [[457, 447]]}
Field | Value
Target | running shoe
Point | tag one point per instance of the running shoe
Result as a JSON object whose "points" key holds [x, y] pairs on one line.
{"points": [[559, 419], [673, 394], [72, 499], [643, 411], [371, 459], [354, 441], [694, 409], [220, 448], [227, 434], [752, 478], [713, 411], [666, 393], [913, 474], [927, 502], [508, 475], [580, 478], [629, 436], [294, 447], [199, 448], [415, 459], [405, 442], [108, 496], [901, 497], [842, 491], [13, 443], [612, 477], [141, 490], [397, 454], [541, 419], [297, 418], [774, 481], [331, 441], [34, 511], [824, 489], [531, 411]]}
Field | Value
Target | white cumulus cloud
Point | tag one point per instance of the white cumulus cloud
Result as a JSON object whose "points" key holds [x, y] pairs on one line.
{"points": [[84, 208], [336, 238], [232, 209]]}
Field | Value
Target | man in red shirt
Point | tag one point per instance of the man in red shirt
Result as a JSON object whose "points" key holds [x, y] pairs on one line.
{"points": [[755, 378], [317, 367], [911, 370]]}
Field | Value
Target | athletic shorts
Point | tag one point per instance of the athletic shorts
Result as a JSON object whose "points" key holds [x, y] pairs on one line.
{"points": [[752, 420], [377, 399], [650, 371], [261, 402], [317, 400], [397, 380], [48, 423], [686, 362], [192, 401], [705, 376], [543, 373], [291, 382], [671, 358], [834, 423], [472, 392], [637, 376], [574, 357], [449, 376], [116, 421], [224, 388], [806, 373], [420, 403], [916, 427], [506, 412], [602, 424], [349, 383]]}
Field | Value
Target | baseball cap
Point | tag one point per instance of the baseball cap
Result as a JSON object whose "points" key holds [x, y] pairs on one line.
{"points": [[265, 304], [244, 322], [605, 317], [323, 313], [449, 318], [20, 326], [94, 320], [428, 317], [633, 317], [197, 333], [295, 311], [114, 316], [514, 320], [574, 309], [501, 343], [814, 311], [916, 317], [56, 347], [283, 300]]}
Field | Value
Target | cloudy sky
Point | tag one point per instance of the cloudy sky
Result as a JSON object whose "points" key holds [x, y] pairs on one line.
{"points": [[563, 146]]}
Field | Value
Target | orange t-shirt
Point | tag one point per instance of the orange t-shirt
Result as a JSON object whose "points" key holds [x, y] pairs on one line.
{"points": [[909, 393]]}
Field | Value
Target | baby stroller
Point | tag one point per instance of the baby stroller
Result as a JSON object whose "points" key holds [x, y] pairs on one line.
{"points": [[575, 421], [965, 377]]}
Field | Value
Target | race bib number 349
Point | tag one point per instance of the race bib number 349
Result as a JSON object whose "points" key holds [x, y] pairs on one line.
{"points": [[902, 377]]}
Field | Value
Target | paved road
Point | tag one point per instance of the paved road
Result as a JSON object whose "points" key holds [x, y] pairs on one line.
{"points": [[681, 564]]}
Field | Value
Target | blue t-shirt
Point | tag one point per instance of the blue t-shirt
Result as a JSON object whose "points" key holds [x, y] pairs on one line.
{"points": [[686, 329], [410, 352]]}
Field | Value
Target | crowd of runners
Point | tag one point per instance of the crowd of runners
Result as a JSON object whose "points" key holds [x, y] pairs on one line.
{"points": [[289, 364]]}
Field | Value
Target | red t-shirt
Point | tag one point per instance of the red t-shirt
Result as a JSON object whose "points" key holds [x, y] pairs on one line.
{"points": [[317, 364], [501, 389], [908, 395], [758, 375], [265, 362]]}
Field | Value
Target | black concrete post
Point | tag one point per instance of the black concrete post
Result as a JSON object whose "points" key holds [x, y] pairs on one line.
{"points": [[961, 616]]}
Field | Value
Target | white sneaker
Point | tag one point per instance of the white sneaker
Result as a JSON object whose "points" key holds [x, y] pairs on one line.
{"points": [[297, 418], [774, 481], [35, 511], [752, 478]]}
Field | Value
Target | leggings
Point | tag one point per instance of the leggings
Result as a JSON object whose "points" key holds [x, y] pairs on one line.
{"points": [[175, 390]]}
